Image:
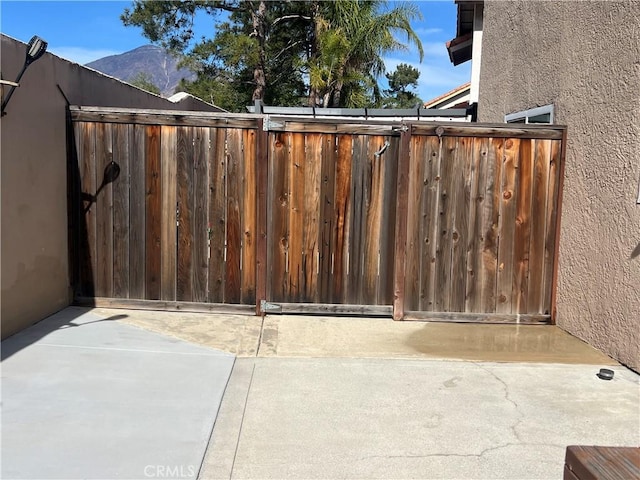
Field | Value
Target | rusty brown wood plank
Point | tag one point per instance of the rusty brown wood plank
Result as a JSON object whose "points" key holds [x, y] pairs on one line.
{"points": [[327, 220], [200, 213], [400, 244], [492, 131], [540, 180], [523, 228], [87, 230], [296, 168], [552, 223], [104, 212], [262, 174], [342, 211], [249, 225], [461, 200], [507, 226], [278, 201], [373, 198], [313, 207], [490, 225], [460, 317], [413, 271], [232, 290], [163, 117], [137, 215], [121, 155], [389, 174], [184, 178], [166, 305], [217, 214], [442, 294], [336, 309], [168, 233], [560, 162], [356, 219], [342, 127], [153, 213], [430, 228], [479, 215]]}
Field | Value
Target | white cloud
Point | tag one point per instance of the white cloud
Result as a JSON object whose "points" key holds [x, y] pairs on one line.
{"points": [[81, 55], [427, 31]]}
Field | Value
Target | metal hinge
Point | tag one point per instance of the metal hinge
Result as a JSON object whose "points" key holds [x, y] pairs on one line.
{"points": [[269, 124], [266, 307], [403, 128]]}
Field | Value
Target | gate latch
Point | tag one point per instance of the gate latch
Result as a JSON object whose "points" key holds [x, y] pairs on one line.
{"points": [[266, 307]]}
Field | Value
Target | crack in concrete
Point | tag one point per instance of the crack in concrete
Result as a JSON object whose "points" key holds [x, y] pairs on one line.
{"points": [[466, 455], [507, 397]]}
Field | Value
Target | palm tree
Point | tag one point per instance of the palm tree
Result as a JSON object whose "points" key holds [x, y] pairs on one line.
{"points": [[351, 37]]}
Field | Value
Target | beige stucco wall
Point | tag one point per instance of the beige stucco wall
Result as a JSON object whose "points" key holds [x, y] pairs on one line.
{"points": [[34, 276], [583, 57]]}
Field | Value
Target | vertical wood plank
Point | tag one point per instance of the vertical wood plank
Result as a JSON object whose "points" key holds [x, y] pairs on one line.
{"points": [[296, 167], [400, 248], [431, 226], [442, 296], [461, 200], [523, 227], [199, 209], [414, 221], [389, 162], [234, 216], [312, 211], [262, 173], [169, 232], [217, 214], [184, 164], [535, 302], [373, 198], [342, 215], [121, 154], [507, 226], [556, 174], [327, 220], [356, 217], [478, 224], [278, 241], [137, 216], [104, 212], [249, 226], [87, 242], [153, 213]]}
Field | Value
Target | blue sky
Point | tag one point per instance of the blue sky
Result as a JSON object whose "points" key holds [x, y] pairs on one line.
{"points": [[83, 31]]}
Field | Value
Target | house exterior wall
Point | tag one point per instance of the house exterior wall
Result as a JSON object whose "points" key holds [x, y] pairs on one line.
{"points": [[583, 57], [34, 247]]}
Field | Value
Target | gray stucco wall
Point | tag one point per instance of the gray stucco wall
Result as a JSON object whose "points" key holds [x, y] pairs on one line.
{"points": [[583, 57], [35, 276]]}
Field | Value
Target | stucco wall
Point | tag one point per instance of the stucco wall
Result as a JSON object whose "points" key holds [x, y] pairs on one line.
{"points": [[583, 57], [34, 276]]}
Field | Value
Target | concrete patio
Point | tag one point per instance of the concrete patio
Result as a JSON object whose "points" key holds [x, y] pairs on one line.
{"points": [[138, 394]]}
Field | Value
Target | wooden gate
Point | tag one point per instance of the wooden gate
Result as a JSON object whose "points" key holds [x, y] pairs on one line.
{"points": [[223, 212]]}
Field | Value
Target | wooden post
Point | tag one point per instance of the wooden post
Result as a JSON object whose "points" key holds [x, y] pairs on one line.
{"points": [[402, 206], [556, 255], [262, 168]]}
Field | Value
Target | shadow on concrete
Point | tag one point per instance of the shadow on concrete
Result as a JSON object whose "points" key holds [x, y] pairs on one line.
{"points": [[58, 321]]}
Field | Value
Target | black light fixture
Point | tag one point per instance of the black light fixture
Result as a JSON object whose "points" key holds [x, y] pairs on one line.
{"points": [[35, 49]]}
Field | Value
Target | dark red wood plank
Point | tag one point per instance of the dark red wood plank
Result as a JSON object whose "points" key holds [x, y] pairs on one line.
{"points": [[153, 213]]}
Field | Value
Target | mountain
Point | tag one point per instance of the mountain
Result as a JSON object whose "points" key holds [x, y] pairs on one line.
{"points": [[160, 66]]}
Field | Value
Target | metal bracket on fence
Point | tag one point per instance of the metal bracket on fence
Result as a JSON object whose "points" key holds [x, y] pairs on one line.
{"points": [[403, 128], [266, 307], [269, 124]]}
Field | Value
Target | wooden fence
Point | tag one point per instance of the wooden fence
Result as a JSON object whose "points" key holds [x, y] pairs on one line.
{"points": [[220, 212]]}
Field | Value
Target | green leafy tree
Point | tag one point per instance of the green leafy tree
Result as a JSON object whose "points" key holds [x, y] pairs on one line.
{"points": [[143, 80], [317, 52], [399, 95]]}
